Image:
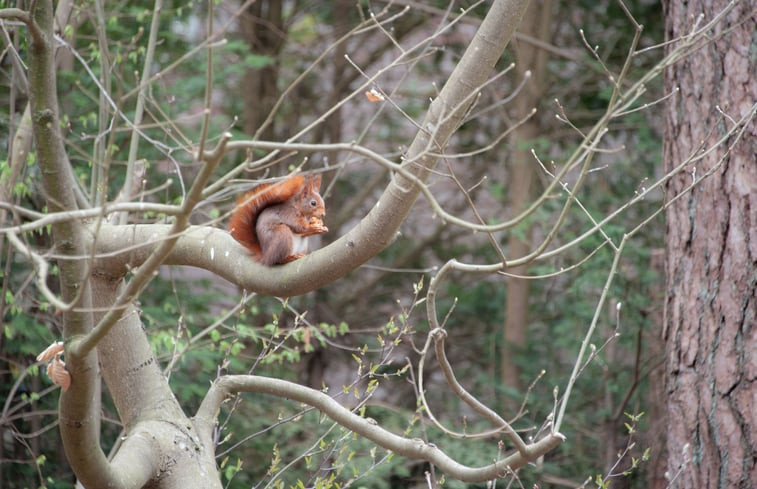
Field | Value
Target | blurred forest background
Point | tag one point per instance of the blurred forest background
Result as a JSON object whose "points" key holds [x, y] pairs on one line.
{"points": [[281, 67]]}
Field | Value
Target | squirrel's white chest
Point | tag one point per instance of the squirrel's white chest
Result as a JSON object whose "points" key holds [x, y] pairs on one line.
{"points": [[299, 244]]}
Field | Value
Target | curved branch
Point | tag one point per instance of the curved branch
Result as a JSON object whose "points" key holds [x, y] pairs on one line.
{"points": [[408, 447], [437, 334], [25, 17], [121, 248], [41, 268]]}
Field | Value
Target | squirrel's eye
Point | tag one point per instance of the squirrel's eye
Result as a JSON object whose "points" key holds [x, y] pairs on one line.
{"points": [[313, 203]]}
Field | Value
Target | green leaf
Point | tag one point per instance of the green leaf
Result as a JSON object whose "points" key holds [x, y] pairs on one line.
{"points": [[257, 61], [215, 335]]}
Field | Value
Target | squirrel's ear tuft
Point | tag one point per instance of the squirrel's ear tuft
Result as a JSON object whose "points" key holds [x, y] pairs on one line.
{"points": [[315, 181]]}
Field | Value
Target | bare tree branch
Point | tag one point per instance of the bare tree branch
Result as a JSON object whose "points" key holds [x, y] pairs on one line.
{"points": [[413, 448]]}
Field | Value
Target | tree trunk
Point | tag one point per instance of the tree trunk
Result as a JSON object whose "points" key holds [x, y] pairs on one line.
{"points": [[656, 409], [263, 29], [537, 23], [711, 254]]}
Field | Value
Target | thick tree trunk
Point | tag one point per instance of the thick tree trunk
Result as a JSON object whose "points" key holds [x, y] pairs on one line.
{"points": [[711, 306]]}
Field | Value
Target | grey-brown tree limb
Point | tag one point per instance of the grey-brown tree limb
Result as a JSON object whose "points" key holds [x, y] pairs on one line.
{"points": [[162, 445]]}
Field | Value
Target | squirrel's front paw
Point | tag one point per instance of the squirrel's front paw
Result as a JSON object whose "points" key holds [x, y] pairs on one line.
{"points": [[315, 226], [293, 257]]}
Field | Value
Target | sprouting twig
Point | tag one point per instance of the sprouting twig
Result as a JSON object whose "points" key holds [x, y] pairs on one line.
{"points": [[587, 338]]}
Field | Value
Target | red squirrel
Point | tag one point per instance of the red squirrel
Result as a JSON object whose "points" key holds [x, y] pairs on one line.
{"points": [[273, 220]]}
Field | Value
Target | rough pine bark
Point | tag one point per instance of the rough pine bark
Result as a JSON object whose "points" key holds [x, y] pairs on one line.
{"points": [[711, 255]]}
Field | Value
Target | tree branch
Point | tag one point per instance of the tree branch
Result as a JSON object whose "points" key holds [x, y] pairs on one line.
{"points": [[139, 109], [27, 18], [407, 447], [43, 220]]}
